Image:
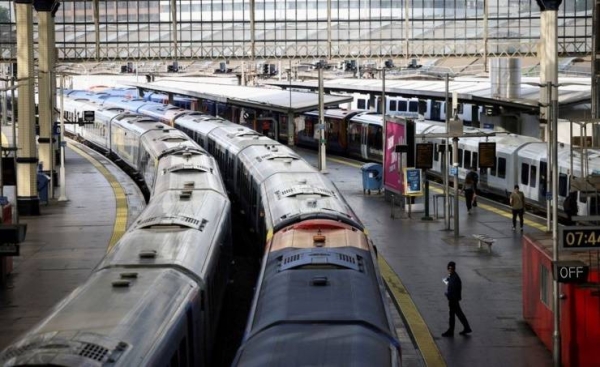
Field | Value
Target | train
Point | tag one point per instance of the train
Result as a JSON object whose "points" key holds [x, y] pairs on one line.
{"points": [[155, 299], [313, 244], [521, 160]]}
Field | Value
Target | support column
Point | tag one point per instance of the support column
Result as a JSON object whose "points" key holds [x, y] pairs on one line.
{"points": [[549, 18], [28, 202], [46, 90]]}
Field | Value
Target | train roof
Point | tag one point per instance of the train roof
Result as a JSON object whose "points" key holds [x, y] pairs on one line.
{"points": [[368, 118], [128, 331]]}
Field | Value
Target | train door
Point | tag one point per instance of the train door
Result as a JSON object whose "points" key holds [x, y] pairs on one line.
{"points": [[375, 143], [434, 113], [528, 179], [364, 141], [542, 180], [354, 139]]}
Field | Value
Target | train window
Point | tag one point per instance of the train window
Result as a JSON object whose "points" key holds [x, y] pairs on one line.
{"points": [[475, 160], [502, 167], [467, 158], [436, 156], [562, 184], [525, 174], [413, 106], [360, 104], [533, 176], [460, 157], [393, 105], [402, 106]]}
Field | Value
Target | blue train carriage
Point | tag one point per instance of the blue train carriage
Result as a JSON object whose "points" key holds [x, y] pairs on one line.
{"points": [[307, 310]]}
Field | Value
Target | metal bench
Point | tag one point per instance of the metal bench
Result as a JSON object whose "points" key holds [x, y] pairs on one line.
{"points": [[484, 239]]}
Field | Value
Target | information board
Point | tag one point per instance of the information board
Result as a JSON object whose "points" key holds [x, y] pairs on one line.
{"points": [[413, 182], [424, 156], [487, 155], [89, 116]]}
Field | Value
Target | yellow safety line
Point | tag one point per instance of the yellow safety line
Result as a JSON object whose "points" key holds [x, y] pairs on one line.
{"points": [[121, 201], [415, 323]]}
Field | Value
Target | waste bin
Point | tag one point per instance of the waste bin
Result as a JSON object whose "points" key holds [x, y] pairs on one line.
{"points": [[372, 177], [43, 186]]}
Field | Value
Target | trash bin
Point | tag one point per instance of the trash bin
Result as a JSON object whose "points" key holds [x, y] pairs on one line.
{"points": [[43, 186], [372, 177]]}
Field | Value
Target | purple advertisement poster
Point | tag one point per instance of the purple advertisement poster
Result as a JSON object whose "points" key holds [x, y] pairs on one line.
{"points": [[395, 134]]}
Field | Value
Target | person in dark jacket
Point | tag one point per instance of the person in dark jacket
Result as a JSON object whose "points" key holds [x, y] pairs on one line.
{"points": [[474, 177], [453, 293]]}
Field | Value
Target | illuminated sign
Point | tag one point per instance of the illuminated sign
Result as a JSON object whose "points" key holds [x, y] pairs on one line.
{"points": [[570, 271], [579, 238]]}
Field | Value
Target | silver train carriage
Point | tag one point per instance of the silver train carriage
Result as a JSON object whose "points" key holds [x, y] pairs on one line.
{"points": [[155, 299], [317, 254], [522, 160], [287, 198]]}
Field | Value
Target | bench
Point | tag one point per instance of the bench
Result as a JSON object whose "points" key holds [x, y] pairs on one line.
{"points": [[483, 239]]}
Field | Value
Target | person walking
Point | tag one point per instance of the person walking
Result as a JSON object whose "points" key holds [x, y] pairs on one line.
{"points": [[475, 178], [469, 190], [517, 203], [453, 293]]}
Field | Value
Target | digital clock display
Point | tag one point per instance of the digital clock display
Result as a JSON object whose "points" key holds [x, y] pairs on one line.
{"points": [[580, 238]]}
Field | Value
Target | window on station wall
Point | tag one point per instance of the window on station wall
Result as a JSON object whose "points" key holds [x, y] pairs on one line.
{"points": [[546, 292]]}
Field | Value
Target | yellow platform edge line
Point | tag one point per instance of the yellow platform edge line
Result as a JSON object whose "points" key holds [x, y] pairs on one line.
{"points": [[415, 323], [121, 216]]}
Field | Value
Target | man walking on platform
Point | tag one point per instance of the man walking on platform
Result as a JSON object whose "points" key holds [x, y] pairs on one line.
{"points": [[517, 203], [453, 293]]}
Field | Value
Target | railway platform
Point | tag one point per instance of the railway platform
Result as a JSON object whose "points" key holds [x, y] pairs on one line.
{"points": [[68, 239], [65, 243], [414, 255]]}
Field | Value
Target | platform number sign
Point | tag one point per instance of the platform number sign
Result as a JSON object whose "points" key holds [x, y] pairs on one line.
{"points": [[424, 155], [487, 155]]}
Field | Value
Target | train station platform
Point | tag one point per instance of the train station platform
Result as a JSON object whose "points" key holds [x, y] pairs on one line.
{"points": [[414, 255], [65, 243], [68, 239]]}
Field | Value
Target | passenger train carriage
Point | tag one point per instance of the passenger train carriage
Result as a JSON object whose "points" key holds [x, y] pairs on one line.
{"points": [[522, 160], [299, 217], [155, 298], [317, 254]]}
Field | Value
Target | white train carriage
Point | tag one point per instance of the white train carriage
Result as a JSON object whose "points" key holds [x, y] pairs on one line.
{"points": [[286, 189], [155, 299]]}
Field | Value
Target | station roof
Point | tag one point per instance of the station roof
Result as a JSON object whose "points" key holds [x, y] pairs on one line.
{"points": [[264, 98], [470, 90]]}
